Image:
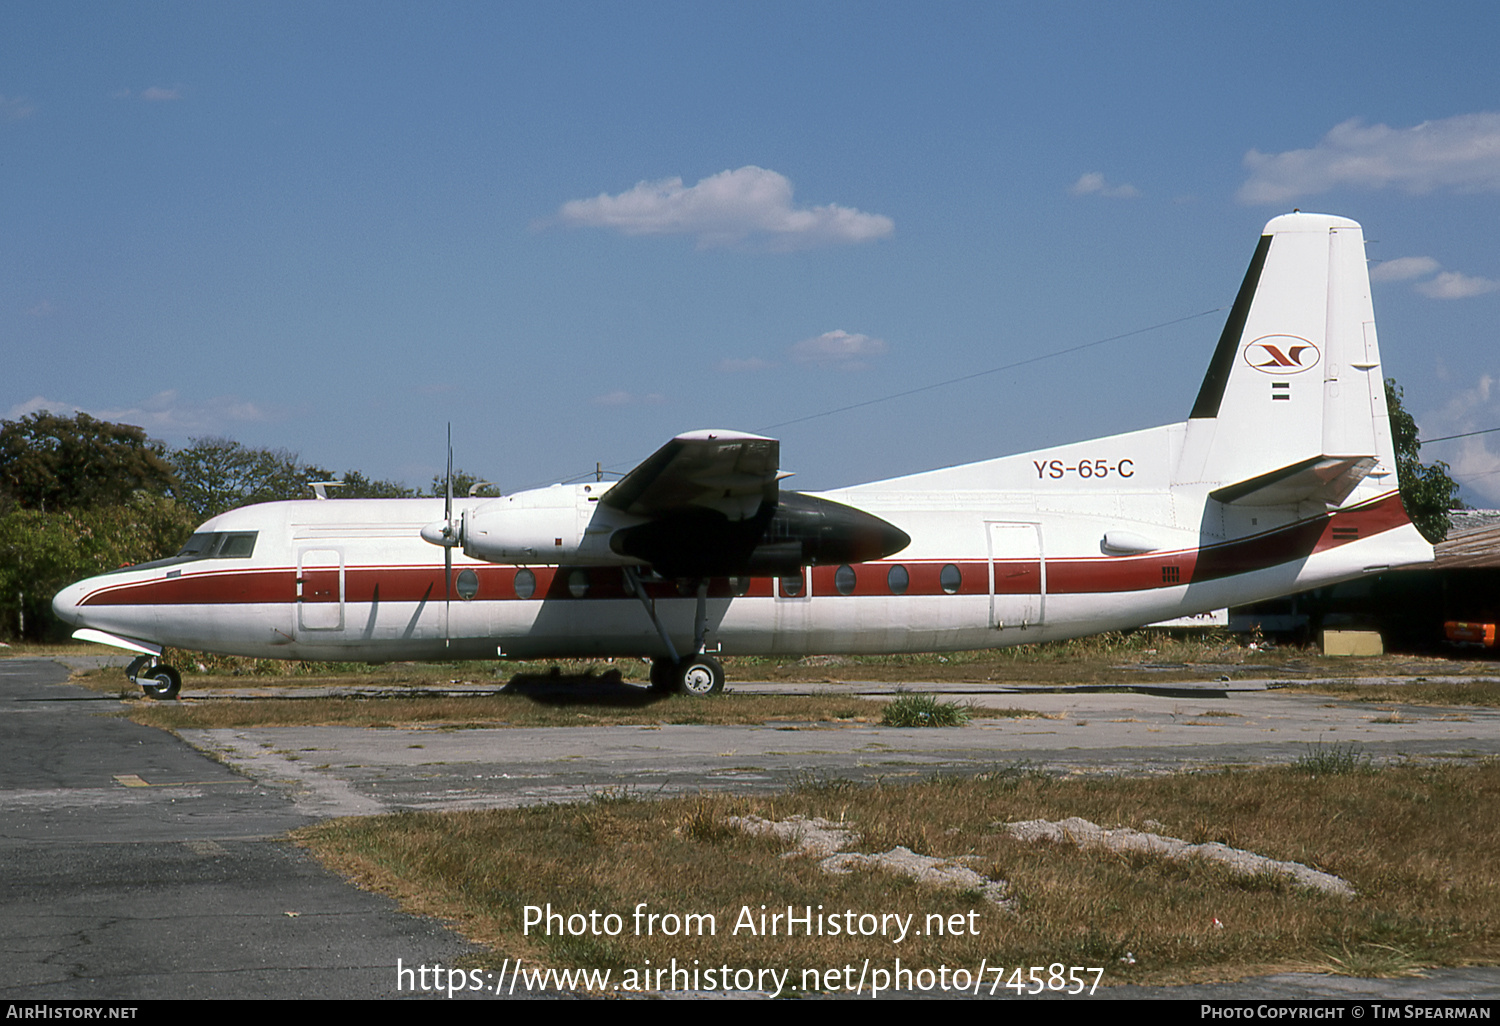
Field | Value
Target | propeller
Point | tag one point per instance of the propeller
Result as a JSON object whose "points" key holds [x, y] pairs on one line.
{"points": [[447, 534], [450, 536]]}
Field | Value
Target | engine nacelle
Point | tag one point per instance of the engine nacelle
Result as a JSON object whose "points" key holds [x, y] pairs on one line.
{"points": [[570, 526], [563, 524]]}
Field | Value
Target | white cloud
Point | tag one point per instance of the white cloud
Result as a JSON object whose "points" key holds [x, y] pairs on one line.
{"points": [[1470, 460], [151, 94], [1452, 285], [839, 349], [15, 108], [1404, 268], [732, 365], [727, 208], [1447, 285], [165, 413], [1460, 154], [1093, 184], [620, 397]]}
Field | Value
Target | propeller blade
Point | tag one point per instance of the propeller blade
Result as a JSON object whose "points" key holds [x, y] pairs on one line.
{"points": [[448, 549]]}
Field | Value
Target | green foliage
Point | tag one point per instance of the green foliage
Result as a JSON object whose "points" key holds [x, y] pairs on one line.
{"points": [[463, 481], [1427, 492], [1332, 760], [220, 474], [358, 486], [80, 497], [923, 711], [43, 552], [52, 463]]}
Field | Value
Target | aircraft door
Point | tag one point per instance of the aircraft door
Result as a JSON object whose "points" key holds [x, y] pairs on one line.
{"points": [[1018, 575], [320, 589]]}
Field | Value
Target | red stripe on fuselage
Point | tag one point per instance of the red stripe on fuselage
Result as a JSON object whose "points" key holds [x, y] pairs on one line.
{"points": [[1065, 575]]}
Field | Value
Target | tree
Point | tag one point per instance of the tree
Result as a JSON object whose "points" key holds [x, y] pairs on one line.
{"points": [[218, 474], [357, 486], [462, 482], [52, 463], [1427, 492], [43, 552]]}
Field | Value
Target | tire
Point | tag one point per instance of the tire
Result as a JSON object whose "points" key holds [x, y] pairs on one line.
{"points": [[700, 676], [663, 675], [162, 683]]}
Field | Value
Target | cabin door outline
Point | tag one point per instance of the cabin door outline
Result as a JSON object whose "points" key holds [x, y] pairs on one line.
{"points": [[1018, 574], [320, 588]]}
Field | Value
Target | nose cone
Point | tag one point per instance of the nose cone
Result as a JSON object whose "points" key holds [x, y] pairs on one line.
{"points": [[65, 604]]}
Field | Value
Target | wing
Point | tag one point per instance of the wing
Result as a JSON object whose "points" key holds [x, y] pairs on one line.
{"points": [[728, 472], [711, 506]]}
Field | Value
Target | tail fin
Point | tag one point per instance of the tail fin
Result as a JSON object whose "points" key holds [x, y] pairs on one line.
{"points": [[1293, 406]]}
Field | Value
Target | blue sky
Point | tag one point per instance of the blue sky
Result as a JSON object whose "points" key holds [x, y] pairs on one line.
{"points": [[574, 230]]}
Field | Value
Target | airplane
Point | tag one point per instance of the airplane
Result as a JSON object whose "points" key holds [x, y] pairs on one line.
{"points": [[1282, 478]]}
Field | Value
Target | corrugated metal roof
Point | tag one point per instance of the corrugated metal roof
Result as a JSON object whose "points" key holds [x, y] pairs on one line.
{"points": [[1473, 542]]}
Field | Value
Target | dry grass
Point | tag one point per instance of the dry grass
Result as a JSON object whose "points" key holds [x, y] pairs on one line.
{"points": [[505, 710], [1418, 843], [1416, 691]]}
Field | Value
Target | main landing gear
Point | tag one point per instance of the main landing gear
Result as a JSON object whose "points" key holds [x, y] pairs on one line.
{"points": [[157, 680], [697, 675]]}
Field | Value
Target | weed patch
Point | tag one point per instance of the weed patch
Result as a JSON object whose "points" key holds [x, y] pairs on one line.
{"points": [[923, 711], [1332, 760]]}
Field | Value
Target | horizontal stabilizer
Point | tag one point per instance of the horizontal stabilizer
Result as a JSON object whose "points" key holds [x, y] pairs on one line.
{"points": [[1328, 479]]}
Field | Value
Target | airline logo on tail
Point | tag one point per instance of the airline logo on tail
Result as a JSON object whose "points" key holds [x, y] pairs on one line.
{"points": [[1281, 354]]}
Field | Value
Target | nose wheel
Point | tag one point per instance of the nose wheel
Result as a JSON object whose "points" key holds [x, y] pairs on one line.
{"points": [[157, 680]]}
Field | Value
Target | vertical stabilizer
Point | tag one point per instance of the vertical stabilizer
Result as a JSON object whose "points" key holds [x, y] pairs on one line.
{"points": [[1295, 386]]}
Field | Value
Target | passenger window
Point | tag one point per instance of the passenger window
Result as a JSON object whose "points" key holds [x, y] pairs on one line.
{"points": [[843, 580], [525, 584], [739, 586], [467, 584], [791, 585], [898, 580], [578, 583], [951, 579]]}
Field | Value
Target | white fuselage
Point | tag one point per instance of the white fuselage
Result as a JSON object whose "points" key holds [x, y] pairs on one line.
{"points": [[1052, 544]]}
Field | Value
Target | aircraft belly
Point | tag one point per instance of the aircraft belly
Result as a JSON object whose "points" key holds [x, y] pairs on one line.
{"points": [[251, 630]]}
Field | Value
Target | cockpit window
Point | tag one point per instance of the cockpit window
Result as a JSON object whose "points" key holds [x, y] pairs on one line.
{"points": [[197, 547], [208, 545], [219, 545], [237, 546]]}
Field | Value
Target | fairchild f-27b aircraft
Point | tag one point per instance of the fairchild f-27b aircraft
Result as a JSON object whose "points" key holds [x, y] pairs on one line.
{"points": [[1282, 478]]}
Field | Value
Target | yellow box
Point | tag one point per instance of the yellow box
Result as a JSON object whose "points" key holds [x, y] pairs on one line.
{"points": [[1352, 643]]}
